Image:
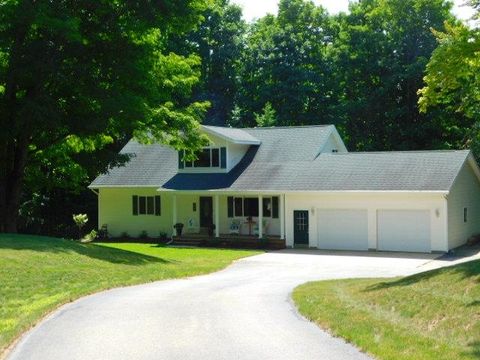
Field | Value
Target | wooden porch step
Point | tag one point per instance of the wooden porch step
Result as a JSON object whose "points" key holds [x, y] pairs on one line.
{"points": [[188, 241], [249, 242]]}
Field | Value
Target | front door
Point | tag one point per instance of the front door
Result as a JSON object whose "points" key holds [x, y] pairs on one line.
{"points": [[206, 211], [300, 227]]}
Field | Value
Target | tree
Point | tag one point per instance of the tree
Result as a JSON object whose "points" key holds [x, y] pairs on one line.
{"points": [[452, 81], [75, 76], [287, 64], [381, 49], [219, 41], [268, 117], [236, 115]]}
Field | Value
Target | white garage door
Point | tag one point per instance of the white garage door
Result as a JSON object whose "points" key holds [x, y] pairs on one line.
{"points": [[342, 229], [404, 230]]}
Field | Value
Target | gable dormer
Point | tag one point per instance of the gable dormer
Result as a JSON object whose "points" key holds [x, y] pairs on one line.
{"points": [[226, 149], [333, 143]]}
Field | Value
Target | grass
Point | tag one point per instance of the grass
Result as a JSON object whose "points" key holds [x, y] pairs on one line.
{"points": [[432, 315], [37, 274]]}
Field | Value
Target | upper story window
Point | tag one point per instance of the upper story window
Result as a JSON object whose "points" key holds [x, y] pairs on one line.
{"points": [[212, 157]]}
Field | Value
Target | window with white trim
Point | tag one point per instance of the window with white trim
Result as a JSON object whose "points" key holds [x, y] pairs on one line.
{"points": [[207, 158], [146, 205]]}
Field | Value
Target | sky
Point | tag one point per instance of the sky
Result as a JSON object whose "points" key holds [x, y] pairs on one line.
{"points": [[257, 8]]}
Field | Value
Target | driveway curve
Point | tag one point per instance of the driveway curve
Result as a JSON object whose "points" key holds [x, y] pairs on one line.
{"points": [[242, 312]]}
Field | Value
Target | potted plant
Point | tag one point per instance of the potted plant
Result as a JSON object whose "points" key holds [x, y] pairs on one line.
{"points": [[178, 228]]}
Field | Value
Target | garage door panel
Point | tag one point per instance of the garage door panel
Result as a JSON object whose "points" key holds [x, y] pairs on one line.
{"points": [[342, 229], [404, 230]]}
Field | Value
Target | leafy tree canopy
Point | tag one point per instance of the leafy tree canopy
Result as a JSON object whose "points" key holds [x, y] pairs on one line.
{"points": [[382, 48], [453, 81], [75, 76], [286, 64], [268, 117]]}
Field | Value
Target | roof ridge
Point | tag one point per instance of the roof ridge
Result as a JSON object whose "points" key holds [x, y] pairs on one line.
{"points": [[269, 127], [398, 152], [285, 127]]}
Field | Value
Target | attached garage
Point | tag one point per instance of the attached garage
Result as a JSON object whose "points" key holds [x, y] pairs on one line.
{"points": [[342, 229], [404, 230]]}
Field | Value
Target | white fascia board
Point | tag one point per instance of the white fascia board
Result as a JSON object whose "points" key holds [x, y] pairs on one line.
{"points": [[470, 159], [121, 186], [232, 140], [473, 163], [318, 192]]}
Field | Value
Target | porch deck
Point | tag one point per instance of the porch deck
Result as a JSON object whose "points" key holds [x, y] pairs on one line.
{"points": [[271, 242]]}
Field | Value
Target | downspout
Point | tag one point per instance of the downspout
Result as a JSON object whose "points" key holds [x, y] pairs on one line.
{"points": [[445, 197]]}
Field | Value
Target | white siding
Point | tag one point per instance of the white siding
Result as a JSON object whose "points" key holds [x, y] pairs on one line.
{"points": [[372, 202], [333, 144], [465, 192], [235, 153]]}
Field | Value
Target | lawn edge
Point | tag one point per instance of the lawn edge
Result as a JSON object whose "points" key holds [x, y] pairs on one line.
{"points": [[10, 347], [327, 330]]}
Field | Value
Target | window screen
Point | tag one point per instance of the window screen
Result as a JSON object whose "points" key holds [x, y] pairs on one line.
{"points": [[150, 205], [250, 207], [238, 207], [267, 207]]}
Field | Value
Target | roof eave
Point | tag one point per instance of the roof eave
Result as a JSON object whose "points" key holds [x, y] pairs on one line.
{"points": [[229, 138]]}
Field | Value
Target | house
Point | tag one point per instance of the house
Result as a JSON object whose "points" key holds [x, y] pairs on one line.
{"points": [[299, 185]]}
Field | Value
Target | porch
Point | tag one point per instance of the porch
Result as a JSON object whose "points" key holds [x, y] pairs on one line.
{"points": [[229, 217]]}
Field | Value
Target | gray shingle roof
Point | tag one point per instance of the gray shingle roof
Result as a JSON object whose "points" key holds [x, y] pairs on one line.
{"points": [[288, 160]]}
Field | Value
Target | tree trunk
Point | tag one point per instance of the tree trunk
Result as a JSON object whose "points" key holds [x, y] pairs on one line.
{"points": [[14, 139], [11, 185]]}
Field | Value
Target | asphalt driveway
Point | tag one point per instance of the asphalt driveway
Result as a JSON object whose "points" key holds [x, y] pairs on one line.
{"points": [[242, 312]]}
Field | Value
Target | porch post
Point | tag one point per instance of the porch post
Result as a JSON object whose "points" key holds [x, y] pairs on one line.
{"points": [[174, 208], [282, 218], [216, 210], [260, 216]]}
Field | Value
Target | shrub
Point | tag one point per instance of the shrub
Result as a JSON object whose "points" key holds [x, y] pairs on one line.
{"points": [[103, 233], [262, 243], [143, 234], [80, 220], [163, 236], [125, 235], [91, 236]]}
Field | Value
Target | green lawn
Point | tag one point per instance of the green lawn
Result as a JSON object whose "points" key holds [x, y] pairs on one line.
{"points": [[37, 274], [432, 315]]}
